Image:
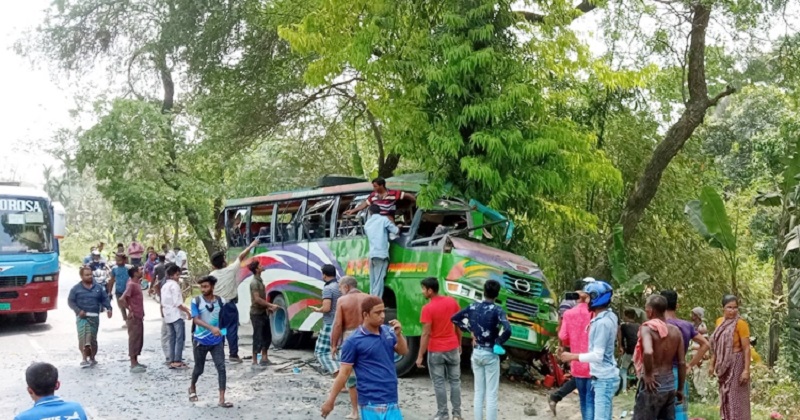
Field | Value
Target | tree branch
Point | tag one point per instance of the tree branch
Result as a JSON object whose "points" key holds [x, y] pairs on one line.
{"points": [[729, 90], [584, 7]]}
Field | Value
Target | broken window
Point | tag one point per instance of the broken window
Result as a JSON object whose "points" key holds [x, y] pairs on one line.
{"points": [[287, 227]]}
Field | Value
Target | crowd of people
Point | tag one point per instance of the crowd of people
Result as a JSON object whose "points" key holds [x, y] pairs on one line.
{"points": [[657, 349], [357, 347]]}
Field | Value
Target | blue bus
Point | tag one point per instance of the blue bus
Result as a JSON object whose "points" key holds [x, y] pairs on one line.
{"points": [[30, 226]]}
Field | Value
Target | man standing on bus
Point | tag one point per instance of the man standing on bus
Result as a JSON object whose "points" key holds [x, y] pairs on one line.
{"points": [[87, 299], [442, 341], [385, 199], [118, 283], [227, 289], [378, 229]]}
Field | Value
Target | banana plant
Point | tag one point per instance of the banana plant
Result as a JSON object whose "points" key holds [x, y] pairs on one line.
{"points": [[710, 219], [624, 285]]}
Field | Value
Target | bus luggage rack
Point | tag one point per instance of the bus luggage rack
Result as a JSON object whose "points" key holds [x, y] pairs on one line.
{"points": [[529, 309], [522, 286], [13, 281]]}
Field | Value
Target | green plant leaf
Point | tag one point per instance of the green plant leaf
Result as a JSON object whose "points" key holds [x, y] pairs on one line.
{"points": [[708, 216]]}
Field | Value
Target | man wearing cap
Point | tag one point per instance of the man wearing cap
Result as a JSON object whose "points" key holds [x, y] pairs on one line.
{"points": [[602, 339]]}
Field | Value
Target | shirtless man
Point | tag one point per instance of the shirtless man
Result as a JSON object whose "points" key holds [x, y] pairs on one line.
{"points": [[348, 318], [660, 345]]}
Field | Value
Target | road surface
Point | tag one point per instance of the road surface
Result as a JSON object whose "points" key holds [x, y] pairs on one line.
{"points": [[110, 391]]}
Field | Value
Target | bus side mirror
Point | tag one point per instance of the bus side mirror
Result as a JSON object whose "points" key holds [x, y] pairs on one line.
{"points": [[59, 221]]}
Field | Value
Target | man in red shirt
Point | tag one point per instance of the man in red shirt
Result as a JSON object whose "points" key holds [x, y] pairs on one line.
{"points": [[133, 301], [442, 340], [574, 333]]}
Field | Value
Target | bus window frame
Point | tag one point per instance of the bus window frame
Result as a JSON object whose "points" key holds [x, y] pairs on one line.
{"points": [[271, 223], [235, 210], [305, 207], [300, 210], [335, 220]]}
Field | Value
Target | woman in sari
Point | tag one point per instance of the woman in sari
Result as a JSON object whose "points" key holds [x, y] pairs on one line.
{"points": [[730, 361]]}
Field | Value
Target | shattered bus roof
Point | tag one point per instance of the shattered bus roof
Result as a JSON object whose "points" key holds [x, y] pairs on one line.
{"points": [[411, 183]]}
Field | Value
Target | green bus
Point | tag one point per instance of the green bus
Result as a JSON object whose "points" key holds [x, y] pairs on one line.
{"points": [[300, 231]]}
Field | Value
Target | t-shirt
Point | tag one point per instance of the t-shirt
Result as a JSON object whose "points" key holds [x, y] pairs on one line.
{"points": [[574, 333], [438, 313], [330, 291], [160, 272], [121, 278], [741, 330], [170, 256], [687, 331], [257, 286], [53, 407], [387, 203], [372, 358], [208, 312], [630, 335], [133, 295], [135, 250], [226, 286], [181, 258]]}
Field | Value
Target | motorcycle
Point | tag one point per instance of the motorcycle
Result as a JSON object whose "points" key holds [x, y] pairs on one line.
{"points": [[100, 276]]}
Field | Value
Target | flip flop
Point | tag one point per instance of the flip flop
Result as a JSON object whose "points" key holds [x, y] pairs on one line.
{"points": [[351, 417], [225, 404]]}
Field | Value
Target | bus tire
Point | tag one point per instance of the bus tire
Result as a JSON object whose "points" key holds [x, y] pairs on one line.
{"points": [[404, 365], [282, 335], [40, 317]]}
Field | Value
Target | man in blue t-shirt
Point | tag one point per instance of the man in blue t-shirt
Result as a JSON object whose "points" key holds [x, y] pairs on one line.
{"points": [[42, 379], [207, 337], [370, 352], [118, 283]]}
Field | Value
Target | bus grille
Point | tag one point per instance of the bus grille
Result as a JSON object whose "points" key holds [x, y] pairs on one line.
{"points": [[13, 281], [529, 309], [522, 286]]}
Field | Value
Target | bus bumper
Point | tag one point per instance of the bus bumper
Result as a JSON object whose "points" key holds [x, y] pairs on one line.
{"points": [[33, 297]]}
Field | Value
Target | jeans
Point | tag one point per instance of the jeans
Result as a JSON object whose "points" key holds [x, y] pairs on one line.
{"points": [[177, 339], [230, 316], [445, 367], [486, 368], [165, 341], [586, 395], [624, 364], [377, 274], [565, 390], [380, 412], [217, 355], [604, 390]]}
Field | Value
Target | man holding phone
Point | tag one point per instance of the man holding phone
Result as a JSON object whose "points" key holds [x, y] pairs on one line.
{"points": [[574, 334]]}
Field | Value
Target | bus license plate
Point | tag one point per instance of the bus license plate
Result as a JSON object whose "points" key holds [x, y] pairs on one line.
{"points": [[523, 333], [5, 306]]}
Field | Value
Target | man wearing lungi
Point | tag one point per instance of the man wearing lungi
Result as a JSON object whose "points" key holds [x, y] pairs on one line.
{"points": [[87, 299]]}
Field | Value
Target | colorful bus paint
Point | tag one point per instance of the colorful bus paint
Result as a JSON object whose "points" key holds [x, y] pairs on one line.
{"points": [[292, 276]]}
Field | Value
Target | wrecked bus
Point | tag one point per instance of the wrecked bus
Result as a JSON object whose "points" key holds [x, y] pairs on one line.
{"points": [[300, 231]]}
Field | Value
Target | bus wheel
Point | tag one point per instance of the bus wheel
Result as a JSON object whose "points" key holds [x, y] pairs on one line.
{"points": [[282, 335], [40, 317]]}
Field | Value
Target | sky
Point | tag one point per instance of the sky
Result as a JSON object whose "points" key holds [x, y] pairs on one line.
{"points": [[33, 106]]}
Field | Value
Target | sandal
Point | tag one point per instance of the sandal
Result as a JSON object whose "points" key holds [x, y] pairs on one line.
{"points": [[225, 404], [351, 417], [192, 396]]}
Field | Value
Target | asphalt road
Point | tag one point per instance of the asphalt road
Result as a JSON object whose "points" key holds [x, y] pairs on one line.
{"points": [[110, 391]]}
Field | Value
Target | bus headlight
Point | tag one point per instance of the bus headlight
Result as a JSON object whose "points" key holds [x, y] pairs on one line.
{"points": [[458, 289], [45, 278]]}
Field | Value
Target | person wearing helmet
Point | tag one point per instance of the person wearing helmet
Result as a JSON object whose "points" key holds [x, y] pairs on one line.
{"points": [[602, 339], [96, 261]]}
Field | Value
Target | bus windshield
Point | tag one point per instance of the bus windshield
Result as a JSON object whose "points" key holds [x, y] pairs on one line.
{"points": [[25, 226]]}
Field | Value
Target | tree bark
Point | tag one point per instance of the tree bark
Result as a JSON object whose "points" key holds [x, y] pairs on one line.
{"points": [[646, 187], [777, 289]]}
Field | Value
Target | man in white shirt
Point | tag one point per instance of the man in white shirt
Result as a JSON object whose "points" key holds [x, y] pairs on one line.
{"points": [[181, 259], [168, 253], [226, 288], [171, 307]]}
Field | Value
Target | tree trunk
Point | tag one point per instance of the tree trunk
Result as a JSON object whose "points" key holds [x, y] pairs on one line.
{"points": [[792, 346], [202, 232], [646, 187], [777, 289]]}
